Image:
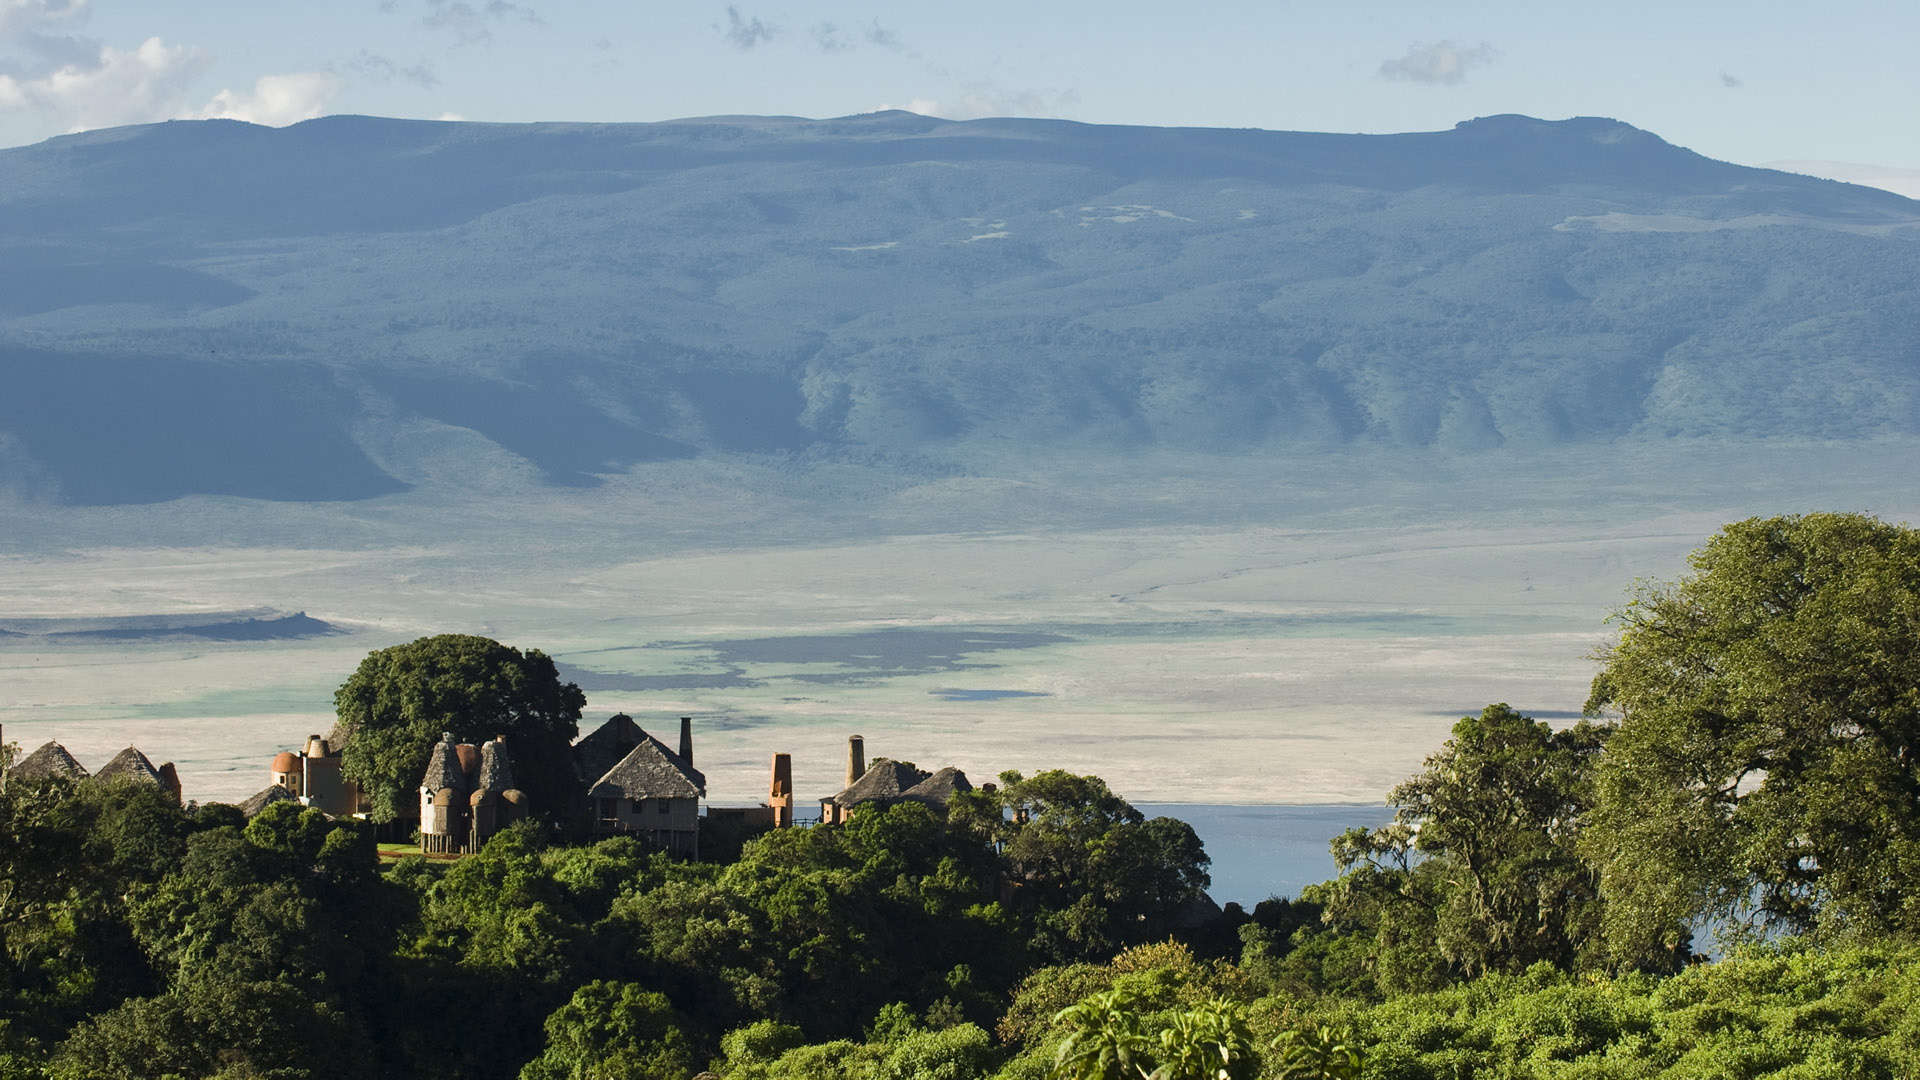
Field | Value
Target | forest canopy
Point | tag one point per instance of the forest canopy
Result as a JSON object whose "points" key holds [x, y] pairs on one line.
{"points": [[1747, 766]]}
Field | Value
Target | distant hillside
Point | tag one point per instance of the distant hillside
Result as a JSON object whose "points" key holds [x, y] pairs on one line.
{"points": [[351, 306]]}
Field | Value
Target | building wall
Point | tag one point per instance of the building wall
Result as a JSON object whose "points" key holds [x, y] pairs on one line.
{"points": [[326, 790], [672, 824]]}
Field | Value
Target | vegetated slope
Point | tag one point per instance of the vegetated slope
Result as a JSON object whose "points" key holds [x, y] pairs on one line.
{"points": [[294, 313]]}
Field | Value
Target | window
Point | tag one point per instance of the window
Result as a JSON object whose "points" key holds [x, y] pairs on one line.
{"points": [[664, 804], [609, 809]]}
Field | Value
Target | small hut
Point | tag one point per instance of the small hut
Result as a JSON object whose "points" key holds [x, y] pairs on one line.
{"points": [[886, 782], [49, 761], [266, 797]]}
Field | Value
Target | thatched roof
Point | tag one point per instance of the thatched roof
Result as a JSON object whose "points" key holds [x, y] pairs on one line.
{"points": [[884, 781], [935, 790], [496, 772], [50, 760], [606, 746], [130, 766], [264, 799], [443, 769], [650, 771]]}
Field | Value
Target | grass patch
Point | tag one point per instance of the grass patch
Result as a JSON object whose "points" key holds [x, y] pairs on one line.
{"points": [[396, 852]]}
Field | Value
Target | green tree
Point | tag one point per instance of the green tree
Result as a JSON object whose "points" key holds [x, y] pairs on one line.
{"points": [[401, 699], [1501, 805], [1319, 1053], [1106, 1040], [614, 1031], [1764, 769], [1210, 1042], [71, 854], [1113, 1036], [1481, 869], [1097, 875]]}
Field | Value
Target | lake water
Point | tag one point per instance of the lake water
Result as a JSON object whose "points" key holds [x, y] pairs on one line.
{"points": [[1262, 851]]}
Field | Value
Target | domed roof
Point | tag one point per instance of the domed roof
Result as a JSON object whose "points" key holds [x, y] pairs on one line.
{"points": [[445, 797], [285, 762], [514, 796], [482, 798]]}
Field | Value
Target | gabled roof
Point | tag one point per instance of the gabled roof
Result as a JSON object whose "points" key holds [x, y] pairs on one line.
{"points": [[496, 772], [132, 765], [443, 769], [885, 779], [650, 771], [50, 760], [606, 746], [261, 800], [935, 790]]}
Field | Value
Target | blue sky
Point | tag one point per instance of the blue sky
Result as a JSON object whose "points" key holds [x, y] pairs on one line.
{"points": [[1754, 82]]}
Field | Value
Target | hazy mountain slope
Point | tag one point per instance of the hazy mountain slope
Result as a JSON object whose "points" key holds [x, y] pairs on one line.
{"points": [[339, 308]]}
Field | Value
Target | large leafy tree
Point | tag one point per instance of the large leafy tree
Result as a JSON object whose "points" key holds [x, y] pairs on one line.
{"points": [[399, 701], [1766, 768], [1096, 874], [1500, 806], [1480, 871], [614, 1031]]}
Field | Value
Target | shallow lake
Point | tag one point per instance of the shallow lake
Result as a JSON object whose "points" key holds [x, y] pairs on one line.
{"points": [[1262, 851]]}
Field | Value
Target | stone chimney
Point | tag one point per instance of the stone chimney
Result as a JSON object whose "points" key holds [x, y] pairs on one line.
{"points": [[780, 791], [686, 741], [856, 758]]}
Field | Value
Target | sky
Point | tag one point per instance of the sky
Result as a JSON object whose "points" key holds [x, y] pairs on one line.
{"points": [[1829, 87]]}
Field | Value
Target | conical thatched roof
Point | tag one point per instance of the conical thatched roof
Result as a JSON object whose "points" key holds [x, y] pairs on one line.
{"points": [[650, 771], [264, 799], [50, 760], [884, 780], [129, 766], [443, 769], [496, 772], [606, 746], [935, 790]]}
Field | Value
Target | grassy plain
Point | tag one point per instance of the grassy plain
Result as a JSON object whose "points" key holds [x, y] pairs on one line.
{"points": [[1196, 629]]}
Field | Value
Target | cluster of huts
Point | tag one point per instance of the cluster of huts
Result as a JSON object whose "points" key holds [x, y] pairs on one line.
{"points": [[633, 783], [128, 766]]}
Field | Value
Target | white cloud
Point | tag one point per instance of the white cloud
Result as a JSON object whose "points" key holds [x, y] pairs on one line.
{"points": [[451, 117], [276, 100], [30, 16], [976, 104], [80, 83], [1440, 63], [118, 86]]}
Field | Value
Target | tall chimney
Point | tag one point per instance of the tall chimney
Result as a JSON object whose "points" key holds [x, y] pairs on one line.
{"points": [[686, 740], [856, 758], [780, 791]]}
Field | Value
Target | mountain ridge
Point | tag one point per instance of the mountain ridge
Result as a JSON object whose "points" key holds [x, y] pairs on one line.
{"points": [[344, 295]]}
